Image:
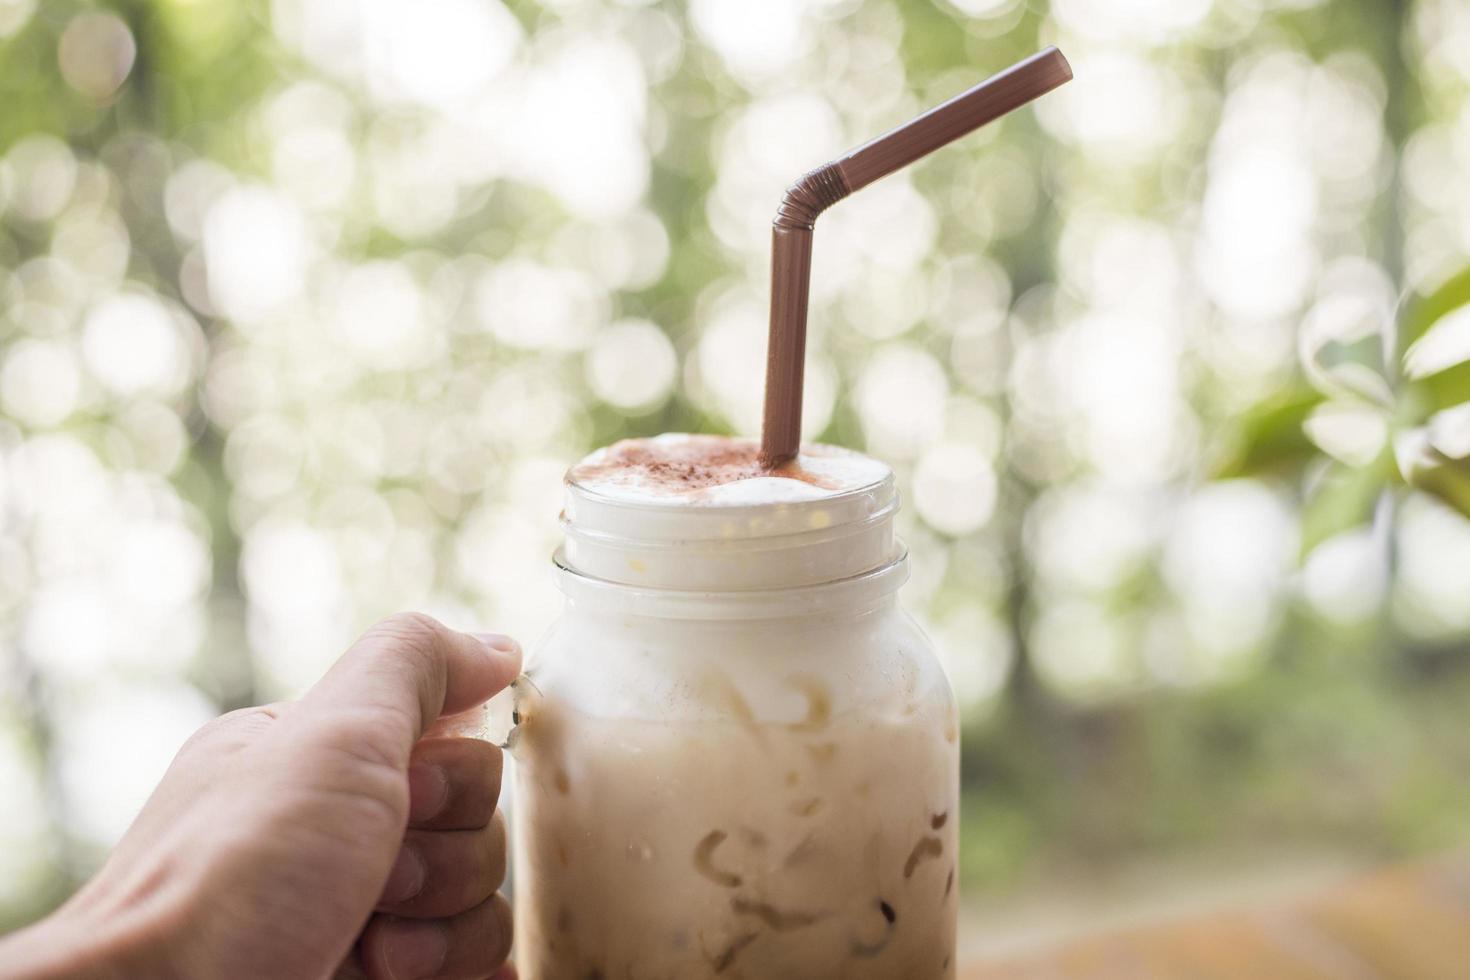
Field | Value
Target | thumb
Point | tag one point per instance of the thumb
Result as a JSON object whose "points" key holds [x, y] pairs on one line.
{"points": [[405, 672]]}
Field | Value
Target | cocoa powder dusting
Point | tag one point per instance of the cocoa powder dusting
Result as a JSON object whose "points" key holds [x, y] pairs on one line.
{"points": [[688, 466]]}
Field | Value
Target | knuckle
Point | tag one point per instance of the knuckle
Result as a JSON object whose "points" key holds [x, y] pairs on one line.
{"points": [[415, 630], [504, 928], [497, 830], [485, 762], [496, 856], [215, 727], [494, 774], [415, 643], [233, 727], [475, 771]]}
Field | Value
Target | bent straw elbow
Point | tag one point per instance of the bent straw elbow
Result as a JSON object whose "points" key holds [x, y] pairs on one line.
{"points": [[814, 192]]}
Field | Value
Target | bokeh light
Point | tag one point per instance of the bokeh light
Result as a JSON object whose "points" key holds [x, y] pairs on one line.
{"points": [[110, 763], [96, 54], [40, 176], [14, 14], [304, 314], [632, 365]]}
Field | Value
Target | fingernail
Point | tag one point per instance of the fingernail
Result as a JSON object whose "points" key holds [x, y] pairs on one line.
{"points": [[498, 641], [415, 950], [428, 791], [407, 877]]}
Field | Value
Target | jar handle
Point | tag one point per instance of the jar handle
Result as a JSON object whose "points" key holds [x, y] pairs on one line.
{"points": [[498, 720]]}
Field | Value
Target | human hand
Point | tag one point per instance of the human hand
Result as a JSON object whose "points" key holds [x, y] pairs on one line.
{"points": [[326, 837]]}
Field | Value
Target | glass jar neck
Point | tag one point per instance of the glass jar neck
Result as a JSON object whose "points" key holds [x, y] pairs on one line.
{"points": [[869, 591], [692, 546]]}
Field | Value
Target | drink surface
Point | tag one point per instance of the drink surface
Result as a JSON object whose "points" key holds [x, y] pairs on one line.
{"points": [[701, 470]]}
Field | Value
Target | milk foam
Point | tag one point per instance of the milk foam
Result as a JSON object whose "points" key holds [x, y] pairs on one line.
{"points": [[702, 470]]}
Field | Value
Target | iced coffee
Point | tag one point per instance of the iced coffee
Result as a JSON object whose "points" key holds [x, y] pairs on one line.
{"points": [[736, 756]]}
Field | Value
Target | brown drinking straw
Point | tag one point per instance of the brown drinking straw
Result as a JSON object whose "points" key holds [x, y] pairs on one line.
{"points": [[791, 232]]}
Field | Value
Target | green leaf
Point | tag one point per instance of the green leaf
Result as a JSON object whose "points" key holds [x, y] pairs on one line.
{"points": [[1450, 296], [1350, 431], [1449, 432], [1352, 366], [1344, 498], [1426, 468], [1269, 437], [1446, 388], [1449, 482]]}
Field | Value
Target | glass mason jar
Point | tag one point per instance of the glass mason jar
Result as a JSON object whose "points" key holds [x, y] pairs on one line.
{"points": [[736, 756]]}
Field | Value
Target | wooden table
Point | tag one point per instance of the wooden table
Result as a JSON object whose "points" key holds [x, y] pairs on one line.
{"points": [[1411, 923]]}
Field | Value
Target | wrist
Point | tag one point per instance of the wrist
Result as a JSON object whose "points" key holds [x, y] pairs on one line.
{"points": [[51, 949], [71, 945]]}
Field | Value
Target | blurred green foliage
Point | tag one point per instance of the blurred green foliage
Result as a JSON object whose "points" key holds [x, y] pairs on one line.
{"points": [[1334, 723], [1273, 438]]}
